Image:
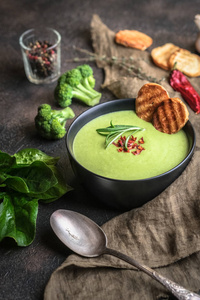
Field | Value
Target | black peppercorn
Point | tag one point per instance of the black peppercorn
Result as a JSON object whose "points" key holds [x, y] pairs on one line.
{"points": [[41, 58]]}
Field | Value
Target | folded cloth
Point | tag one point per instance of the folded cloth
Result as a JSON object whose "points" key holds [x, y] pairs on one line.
{"points": [[164, 233]]}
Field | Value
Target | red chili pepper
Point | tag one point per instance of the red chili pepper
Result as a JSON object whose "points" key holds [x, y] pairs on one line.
{"points": [[181, 84]]}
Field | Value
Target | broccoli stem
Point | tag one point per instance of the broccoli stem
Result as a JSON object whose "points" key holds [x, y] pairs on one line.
{"points": [[87, 85], [91, 81], [90, 92], [90, 101], [63, 115]]}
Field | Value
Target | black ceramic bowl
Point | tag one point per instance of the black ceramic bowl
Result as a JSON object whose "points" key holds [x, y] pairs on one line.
{"points": [[122, 194]]}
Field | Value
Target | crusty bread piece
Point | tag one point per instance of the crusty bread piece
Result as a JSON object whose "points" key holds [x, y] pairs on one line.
{"points": [[170, 116], [161, 55], [186, 62], [150, 96], [133, 39]]}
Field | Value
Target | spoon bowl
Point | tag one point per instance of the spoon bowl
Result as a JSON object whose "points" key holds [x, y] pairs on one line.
{"points": [[86, 238], [78, 233]]}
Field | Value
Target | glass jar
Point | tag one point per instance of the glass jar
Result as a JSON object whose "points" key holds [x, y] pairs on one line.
{"points": [[41, 54]]}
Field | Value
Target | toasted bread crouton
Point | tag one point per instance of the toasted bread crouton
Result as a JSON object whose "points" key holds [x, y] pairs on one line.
{"points": [[170, 116], [161, 55], [186, 62], [150, 96], [133, 39]]}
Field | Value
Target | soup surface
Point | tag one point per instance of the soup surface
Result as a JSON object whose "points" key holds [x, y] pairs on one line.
{"points": [[162, 151]]}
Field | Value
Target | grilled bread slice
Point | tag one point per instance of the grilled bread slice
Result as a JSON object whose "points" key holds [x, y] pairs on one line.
{"points": [[170, 116], [150, 96], [133, 39], [161, 55], [186, 62]]}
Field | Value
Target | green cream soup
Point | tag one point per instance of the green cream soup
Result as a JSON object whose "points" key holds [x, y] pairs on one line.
{"points": [[162, 151]]}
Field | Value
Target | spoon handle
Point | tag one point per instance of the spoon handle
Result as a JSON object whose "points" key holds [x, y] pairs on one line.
{"points": [[178, 291]]}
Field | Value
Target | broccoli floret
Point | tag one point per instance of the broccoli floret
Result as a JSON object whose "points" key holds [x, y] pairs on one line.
{"points": [[63, 94], [77, 83], [88, 80], [50, 123], [62, 79]]}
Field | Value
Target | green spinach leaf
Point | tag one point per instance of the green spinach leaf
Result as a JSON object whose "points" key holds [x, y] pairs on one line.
{"points": [[29, 155], [18, 218], [25, 178], [57, 190], [14, 182], [6, 161], [38, 177]]}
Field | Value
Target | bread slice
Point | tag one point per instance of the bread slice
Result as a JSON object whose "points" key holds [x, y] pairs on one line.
{"points": [[133, 39], [150, 96], [186, 62], [161, 55], [170, 116]]}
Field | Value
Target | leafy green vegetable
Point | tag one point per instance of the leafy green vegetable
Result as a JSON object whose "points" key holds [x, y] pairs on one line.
{"points": [[6, 161], [18, 218], [29, 155], [38, 177], [113, 132], [26, 177]]}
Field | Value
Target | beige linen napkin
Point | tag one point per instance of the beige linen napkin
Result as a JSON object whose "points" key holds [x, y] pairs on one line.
{"points": [[163, 234]]}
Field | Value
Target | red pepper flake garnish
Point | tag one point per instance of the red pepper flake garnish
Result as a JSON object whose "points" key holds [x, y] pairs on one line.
{"points": [[120, 144], [116, 144], [132, 139], [126, 151], [181, 84], [141, 141], [137, 152], [140, 148], [134, 145]]}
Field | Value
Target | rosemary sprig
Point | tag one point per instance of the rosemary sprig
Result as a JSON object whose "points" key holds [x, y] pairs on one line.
{"points": [[113, 132], [126, 63]]}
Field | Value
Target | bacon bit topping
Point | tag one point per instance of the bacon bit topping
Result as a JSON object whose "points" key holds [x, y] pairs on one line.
{"points": [[120, 144]]}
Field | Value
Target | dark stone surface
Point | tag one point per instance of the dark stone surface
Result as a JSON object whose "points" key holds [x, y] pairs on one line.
{"points": [[24, 272]]}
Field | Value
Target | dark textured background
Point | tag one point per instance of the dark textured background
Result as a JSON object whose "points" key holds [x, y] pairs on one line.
{"points": [[24, 272]]}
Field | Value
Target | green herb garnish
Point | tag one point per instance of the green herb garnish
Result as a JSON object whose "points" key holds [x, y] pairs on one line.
{"points": [[115, 131]]}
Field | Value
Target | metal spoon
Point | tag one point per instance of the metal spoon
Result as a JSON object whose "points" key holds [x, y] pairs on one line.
{"points": [[86, 238]]}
